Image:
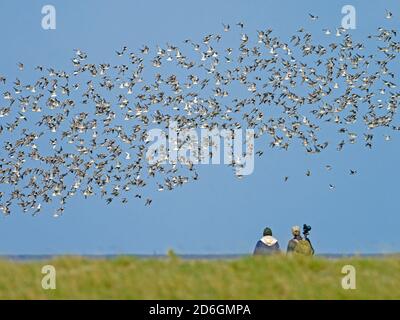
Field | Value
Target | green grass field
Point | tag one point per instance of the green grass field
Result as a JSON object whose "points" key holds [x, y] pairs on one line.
{"points": [[277, 277]]}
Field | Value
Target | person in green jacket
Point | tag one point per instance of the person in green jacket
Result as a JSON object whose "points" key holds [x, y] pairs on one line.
{"points": [[299, 245], [295, 240]]}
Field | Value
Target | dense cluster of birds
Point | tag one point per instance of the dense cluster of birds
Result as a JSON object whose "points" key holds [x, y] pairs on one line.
{"points": [[85, 130]]}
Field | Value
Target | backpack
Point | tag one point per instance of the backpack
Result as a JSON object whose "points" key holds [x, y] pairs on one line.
{"points": [[303, 247]]}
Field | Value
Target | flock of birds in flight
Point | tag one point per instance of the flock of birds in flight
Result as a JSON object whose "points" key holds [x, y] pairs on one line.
{"points": [[85, 131]]}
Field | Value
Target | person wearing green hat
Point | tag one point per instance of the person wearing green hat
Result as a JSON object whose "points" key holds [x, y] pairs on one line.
{"points": [[267, 244]]}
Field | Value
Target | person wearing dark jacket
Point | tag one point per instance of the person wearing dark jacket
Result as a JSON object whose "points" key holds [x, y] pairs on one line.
{"points": [[267, 244]]}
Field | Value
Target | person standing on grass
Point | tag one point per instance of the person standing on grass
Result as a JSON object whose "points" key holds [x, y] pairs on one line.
{"points": [[267, 244], [299, 245], [295, 240]]}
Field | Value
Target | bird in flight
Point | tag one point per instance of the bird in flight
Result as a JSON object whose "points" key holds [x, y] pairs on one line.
{"points": [[85, 130]]}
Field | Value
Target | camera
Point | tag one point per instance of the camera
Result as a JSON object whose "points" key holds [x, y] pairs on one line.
{"points": [[306, 229]]}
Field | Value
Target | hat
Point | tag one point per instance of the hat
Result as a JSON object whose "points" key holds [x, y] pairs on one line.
{"points": [[267, 232], [295, 230]]}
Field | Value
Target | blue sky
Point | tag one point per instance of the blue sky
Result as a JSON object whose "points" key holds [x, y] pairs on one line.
{"points": [[218, 213]]}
